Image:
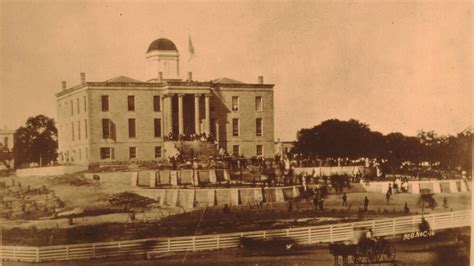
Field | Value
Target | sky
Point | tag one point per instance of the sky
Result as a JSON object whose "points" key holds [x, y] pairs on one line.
{"points": [[397, 66]]}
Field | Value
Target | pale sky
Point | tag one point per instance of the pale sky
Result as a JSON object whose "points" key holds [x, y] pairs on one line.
{"points": [[396, 66]]}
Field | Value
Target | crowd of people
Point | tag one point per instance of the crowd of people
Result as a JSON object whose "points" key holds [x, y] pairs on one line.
{"points": [[190, 137]]}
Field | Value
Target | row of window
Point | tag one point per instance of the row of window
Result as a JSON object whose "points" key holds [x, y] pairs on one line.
{"points": [[258, 103], [236, 127], [109, 153], [157, 103], [131, 103], [258, 150], [73, 157], [74, 106], [108, 128], [75, 127]]}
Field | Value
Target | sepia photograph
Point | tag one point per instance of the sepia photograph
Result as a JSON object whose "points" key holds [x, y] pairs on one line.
{"points": [[236, 132]]}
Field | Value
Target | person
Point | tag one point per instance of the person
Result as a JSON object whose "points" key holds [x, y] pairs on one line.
{"points": [[387, 196], [226, 209], [366, 203], [344, 200], [321, 204], [316, 202], [407, 210], [389, 189], [369, 234], [290, 206], [445, 203]]}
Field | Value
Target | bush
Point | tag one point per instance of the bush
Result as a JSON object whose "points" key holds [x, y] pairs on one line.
{"points": [[128, 200]]}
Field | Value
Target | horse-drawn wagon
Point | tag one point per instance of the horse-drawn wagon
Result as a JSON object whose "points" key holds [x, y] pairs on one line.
{"points": [[366, 251]]}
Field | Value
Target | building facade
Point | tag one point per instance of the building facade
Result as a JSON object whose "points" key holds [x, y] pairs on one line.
{"points": [[123, 119], [6, 138]]}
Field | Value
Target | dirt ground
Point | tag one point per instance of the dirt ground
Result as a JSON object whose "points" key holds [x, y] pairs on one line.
{"points": [[90, 197]]}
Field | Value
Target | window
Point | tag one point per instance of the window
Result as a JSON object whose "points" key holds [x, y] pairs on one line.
{"points": [[157, 151], [131, 128], [156, 103], [80, 155], [85, 128], [258, 104], [105, 103], [105, 153], [72, 130], [235, 127], [106, 128], [85, 104], [78, 106], [133, 152], [259, 150], [258, 127], [235, 103], [157, 128], [5, 141], [72, 107], [236, 150], [79, 130], [131, 102]]}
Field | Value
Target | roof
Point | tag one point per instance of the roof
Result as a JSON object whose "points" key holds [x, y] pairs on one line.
{"points": [[225, 80], [162, 44], [123, 79]]}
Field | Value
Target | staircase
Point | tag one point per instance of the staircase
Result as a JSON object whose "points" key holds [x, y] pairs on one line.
{"points": [[196, 149]]}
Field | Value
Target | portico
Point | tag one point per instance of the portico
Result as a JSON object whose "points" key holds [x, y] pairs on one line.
{"points": [[187, 113]]}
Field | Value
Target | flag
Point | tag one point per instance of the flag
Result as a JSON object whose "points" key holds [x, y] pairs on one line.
{"points": [[190, 48]]}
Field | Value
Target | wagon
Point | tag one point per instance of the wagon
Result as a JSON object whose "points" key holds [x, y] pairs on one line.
{"points": [[366, 251]]}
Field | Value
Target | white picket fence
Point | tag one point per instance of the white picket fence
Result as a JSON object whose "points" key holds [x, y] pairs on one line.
{"points": [[303, 235]]}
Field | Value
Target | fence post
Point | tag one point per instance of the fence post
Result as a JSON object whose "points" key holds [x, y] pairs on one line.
{"points": [[67, 252], [264, 234], [194, 243], [169, 245], [331, 233], [287, 232], [393, 227], [93, 250], [452, 217], [37, 254], [218, 242], [120, 248], [309, 235]]}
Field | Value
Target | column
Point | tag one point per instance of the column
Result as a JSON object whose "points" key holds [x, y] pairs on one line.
{"points": [[170, 113], [208, 115], [197, 122], [180, 114]]}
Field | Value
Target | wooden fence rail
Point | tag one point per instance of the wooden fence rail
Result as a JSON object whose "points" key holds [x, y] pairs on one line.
{"points": [[302, 235]]}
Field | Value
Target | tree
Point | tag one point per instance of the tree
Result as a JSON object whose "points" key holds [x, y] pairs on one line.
{"points": [[37, 141], [335, 138]]}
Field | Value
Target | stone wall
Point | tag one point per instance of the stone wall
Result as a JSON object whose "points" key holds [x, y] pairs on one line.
{"points": [[190, 198], [51, 170], [336, 170], [435, 186]]}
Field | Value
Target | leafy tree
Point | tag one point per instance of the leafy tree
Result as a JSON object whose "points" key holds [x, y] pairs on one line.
{"points": [[37, 141], [334, 138]]}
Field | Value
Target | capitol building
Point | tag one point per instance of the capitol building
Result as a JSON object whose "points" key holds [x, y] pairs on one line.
{"points": [[125, 119]]}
